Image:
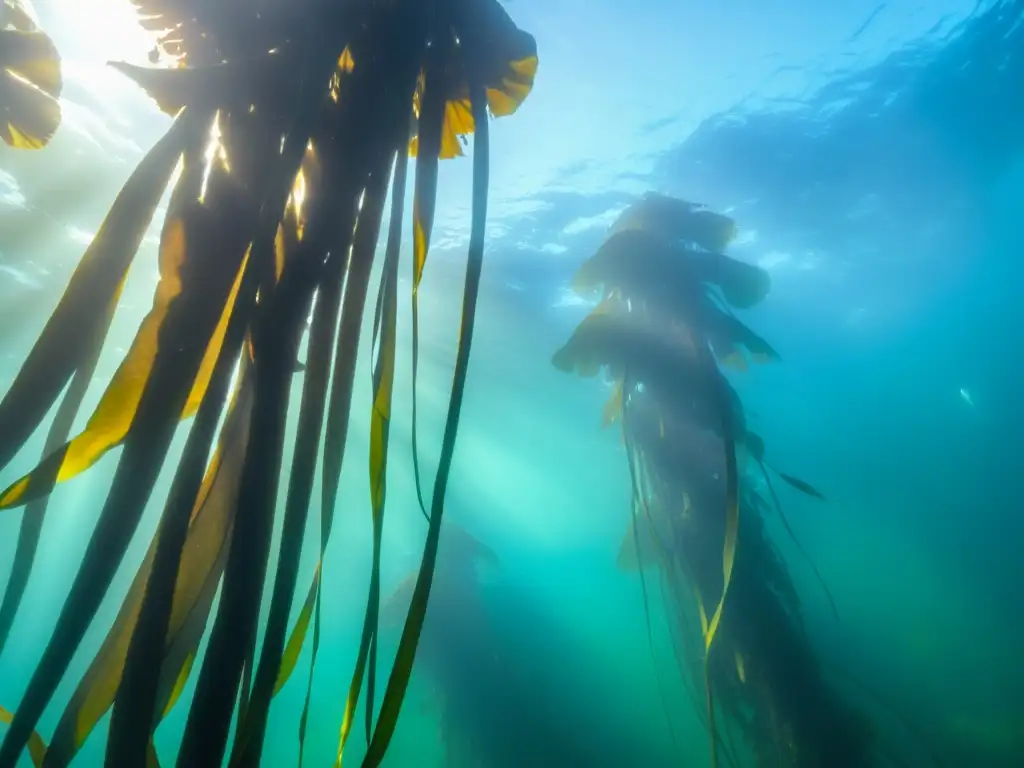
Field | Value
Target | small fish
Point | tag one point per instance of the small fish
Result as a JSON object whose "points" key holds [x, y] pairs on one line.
{"points": [[965, 395]]}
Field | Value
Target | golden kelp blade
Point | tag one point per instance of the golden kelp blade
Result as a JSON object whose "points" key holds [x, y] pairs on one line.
{"points": [[405, 656], [509, 72], [30, 85], [298, 634], [201, 564], [113, 416], [516, 84]]}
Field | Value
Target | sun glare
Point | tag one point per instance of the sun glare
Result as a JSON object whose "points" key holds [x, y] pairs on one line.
{"points": [[98, 31]]}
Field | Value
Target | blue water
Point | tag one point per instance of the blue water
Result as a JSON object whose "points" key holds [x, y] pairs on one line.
{"points": [[871, 155]]}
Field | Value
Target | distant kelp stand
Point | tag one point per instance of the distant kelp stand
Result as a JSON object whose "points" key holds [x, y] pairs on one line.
{"points": [[291, 120], [663, 326]]}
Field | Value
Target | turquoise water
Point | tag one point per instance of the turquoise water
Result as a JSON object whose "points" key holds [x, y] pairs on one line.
{"points": [[871, 157]]}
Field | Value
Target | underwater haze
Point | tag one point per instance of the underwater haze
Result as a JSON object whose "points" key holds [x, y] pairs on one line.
{"points": [[871, 157]]}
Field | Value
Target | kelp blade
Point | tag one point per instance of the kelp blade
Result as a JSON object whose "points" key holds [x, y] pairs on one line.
{"points": [[116, 410], [202, 562], [96, 280]]}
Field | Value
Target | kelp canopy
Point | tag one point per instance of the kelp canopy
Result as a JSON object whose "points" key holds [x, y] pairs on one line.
{"points": [[290, 121], [662, 327]]}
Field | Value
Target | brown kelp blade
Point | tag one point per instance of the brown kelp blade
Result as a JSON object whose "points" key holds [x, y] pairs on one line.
{"points": [[101, 271], [199, 575], [234, 630], [201, 292], [380, 423], [367, 231], [322, 333], [276, 331], [401, 670], [136, 709], [278, 659], [113, 417], [30, 85]]}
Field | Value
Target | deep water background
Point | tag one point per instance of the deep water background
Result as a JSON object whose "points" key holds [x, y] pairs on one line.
{"points": [[872, 157]]}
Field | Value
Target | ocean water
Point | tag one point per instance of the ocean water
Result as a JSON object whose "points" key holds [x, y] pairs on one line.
{"points": [[871, 157]]}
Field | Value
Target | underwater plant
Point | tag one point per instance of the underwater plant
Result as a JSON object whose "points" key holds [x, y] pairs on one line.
{"points": [[291, 120], [30, 78], [660, 331]]}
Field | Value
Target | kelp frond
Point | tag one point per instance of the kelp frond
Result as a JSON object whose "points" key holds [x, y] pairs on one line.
{"points": [[290, 122], [660, 332]]}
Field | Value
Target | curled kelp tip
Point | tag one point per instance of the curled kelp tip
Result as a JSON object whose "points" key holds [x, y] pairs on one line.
{"points": [[508, 67], [30, 79]]}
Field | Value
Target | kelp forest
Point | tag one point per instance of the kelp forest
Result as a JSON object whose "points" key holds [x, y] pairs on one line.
{"points": [[295, 191]]}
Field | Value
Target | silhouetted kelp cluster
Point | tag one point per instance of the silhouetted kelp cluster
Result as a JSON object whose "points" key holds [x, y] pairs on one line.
{"points": [[290, 121], [663, 326]]}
